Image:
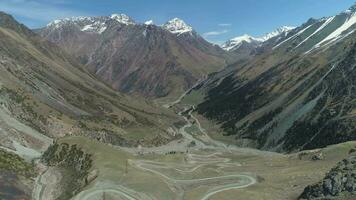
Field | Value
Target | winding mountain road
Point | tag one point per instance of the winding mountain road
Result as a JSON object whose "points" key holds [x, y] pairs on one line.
{"points": [[230, 187], [96, 193], [240, 180]]}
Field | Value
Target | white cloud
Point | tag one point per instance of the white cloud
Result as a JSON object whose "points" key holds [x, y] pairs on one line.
{"points": [[215, 33], [38, 10], [227, 24]]}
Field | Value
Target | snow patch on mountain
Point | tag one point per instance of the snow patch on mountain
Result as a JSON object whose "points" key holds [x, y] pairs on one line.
{"points": [[96, 27], [348, 24], [341, 32], [293, 36], [177, 26], [327, 22]]}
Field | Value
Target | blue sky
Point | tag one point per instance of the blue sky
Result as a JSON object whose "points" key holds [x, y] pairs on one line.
{"points": [[216, 20]]}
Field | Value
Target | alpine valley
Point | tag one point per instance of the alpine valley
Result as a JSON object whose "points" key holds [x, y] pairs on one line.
{"points": [[108, 108]]}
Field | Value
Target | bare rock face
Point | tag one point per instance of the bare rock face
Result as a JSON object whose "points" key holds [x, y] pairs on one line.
{"points": [[339, 183]]}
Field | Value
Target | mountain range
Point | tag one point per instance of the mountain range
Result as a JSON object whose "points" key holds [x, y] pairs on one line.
{"points": [[138, 59]]}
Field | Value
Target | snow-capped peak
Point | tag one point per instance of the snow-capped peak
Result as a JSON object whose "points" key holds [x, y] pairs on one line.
{"points": [[246, 38], [59, 22], [238, 41], [149, 22], [122, 18], [277, 32], [177, 26], [85, 24], [91, 24], [54, 23]]}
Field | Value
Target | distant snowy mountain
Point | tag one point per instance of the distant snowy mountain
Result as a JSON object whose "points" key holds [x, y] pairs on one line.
{"points": [[236, 42], [91, 24], [177, 26], [279, 31], [99, 24]]}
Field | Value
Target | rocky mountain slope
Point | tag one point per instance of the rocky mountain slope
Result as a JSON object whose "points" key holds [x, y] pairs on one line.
{"points": [[144, 59], [296, 94]]}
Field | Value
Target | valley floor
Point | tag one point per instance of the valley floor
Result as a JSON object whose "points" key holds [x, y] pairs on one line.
{"points": [[195, 167]]}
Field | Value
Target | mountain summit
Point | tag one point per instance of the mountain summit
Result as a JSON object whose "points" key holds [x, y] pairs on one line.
{"points": [[122, 18], [177, 26]]}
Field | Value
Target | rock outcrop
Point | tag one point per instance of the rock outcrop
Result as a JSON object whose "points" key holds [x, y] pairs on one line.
{"points": [[339, 183]]}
